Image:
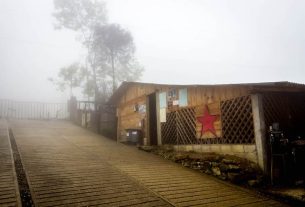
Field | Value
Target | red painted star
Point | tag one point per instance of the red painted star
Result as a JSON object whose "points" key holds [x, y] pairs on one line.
{"points": [[207, 121]]}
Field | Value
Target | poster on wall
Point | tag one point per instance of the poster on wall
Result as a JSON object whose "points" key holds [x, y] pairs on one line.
{"points": [[163, 115], [175, 102], [162, 100], [183, 97], [142, 108]]}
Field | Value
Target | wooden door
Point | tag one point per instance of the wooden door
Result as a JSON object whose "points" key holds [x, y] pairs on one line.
{"points": [[152, 119]]}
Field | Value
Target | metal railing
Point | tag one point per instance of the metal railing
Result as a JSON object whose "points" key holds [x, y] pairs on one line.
{"points": [[33, 110]]}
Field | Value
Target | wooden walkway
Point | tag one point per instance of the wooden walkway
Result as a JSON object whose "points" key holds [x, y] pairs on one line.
{"points": [[69, 166], [8, 184]]}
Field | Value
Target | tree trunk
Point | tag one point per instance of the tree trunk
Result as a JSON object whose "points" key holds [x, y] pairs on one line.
{"points": [[71, 94], [95, 88], [113, 73]]}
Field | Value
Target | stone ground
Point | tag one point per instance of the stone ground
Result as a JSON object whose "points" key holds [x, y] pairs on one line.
{"points": [[293, 193], [69, 166]]}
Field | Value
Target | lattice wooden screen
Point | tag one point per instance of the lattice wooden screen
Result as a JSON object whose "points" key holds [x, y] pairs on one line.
{"points": [[180, 127], [237, 121], [275, 108], [169, 130], [286, 109], [186, 126], [237, 124]]}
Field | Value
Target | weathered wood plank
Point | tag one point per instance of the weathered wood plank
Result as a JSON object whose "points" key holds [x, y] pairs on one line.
{"points": [[72, 160], [8, 183]]}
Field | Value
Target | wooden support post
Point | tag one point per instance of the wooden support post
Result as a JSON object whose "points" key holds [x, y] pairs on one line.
{"points": [[147, 122], [259, 131], [118, 132], [159, 138]]}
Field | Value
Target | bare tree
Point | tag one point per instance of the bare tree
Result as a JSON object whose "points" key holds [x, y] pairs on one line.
{"points": [[110, 48], [115, 47], [82, 16]]}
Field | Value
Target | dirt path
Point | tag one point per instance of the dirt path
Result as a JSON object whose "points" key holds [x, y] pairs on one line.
{"points": [[67, 165]]}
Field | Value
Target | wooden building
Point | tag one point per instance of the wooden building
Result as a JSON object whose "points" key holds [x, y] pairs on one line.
{"points": [[228, 119]]}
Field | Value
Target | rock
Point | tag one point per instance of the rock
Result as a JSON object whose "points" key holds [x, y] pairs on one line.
{"points": [[195, 156], [223, 167], [180, 157], [223, 177], [206, 165], [167, 156], [168, 148], [233, 168], [216, 171], [208, 171], [208, 157], [253, 183], [196, 167], [159, 152], [214, 164], [234, 177], [230, 161], [201, 165], [147, 148], [185, 164], [218, 158]]}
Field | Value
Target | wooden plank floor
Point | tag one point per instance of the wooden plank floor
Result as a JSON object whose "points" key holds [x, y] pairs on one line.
{"points": [[8, 184], [70, 166], [63, 174]]}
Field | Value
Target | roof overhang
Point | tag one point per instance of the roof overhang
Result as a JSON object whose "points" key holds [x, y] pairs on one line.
{"points": [[253, 87]]}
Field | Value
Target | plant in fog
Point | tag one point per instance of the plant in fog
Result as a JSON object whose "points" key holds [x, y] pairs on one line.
{"points": [[115, 49], [110, 48], [82, 16], [68, 77]]}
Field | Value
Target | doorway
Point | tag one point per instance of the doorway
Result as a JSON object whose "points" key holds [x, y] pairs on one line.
{"points": [[152, 119]]}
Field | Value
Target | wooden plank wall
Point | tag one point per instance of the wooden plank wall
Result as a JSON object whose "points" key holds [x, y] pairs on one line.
{"points": [[127, 117], [198, 97], [211, 94]]}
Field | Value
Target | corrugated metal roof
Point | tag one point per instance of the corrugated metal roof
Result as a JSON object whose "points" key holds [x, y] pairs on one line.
{"points": [[253, 86]]}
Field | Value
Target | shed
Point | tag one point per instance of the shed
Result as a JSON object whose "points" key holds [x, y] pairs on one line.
{"points": [[227, 118]]}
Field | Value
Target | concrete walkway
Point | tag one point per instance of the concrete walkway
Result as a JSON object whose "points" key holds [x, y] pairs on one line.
{"points": [[67, 165]]}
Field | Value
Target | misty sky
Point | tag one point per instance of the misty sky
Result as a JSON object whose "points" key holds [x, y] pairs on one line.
{"points": [[178, 41]]}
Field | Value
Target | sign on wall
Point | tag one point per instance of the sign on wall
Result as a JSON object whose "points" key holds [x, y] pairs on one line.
{"points": [[163, 105], [162, 100], [163, 115], [183, 97], [142, 108], [208, 121]]}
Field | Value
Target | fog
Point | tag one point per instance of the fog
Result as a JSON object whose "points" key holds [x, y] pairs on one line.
{"points": [[178, 41]]}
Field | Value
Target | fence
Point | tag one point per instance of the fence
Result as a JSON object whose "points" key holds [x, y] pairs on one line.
{"points": [[100, 118], [180, 127], [33, 110], [237, 121], [237, 124]]}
